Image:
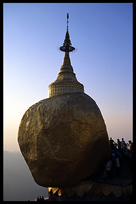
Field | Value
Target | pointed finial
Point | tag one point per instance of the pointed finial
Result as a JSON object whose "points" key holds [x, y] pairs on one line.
{"points": [[67, 43], [67, 20]]}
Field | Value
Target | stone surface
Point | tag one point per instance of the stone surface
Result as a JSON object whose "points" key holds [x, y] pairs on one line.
{"points": [[63, 139]]}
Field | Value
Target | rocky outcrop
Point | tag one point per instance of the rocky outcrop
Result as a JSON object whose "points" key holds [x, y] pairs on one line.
{"points": [[63, 139]]}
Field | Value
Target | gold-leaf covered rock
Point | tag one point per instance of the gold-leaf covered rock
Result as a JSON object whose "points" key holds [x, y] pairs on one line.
{"points": [[63, 139]]}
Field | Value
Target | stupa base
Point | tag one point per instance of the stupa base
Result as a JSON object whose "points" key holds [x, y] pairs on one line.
{"points": [[91, 191]]}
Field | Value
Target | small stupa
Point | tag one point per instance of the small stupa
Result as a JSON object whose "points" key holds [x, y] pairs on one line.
{"points": [[66, 81]]}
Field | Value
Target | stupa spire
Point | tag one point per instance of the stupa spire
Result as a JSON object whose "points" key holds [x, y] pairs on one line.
{"points": [[66, 47], [66, 81]]}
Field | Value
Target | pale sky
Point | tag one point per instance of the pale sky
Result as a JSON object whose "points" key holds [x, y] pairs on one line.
{"points": [[102, 36]]}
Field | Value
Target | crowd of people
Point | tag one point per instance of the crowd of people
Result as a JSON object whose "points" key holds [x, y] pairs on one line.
{"points": [[121, 156]]}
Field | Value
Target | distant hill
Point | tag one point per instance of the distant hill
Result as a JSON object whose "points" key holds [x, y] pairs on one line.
{"points": [[19, 184]]}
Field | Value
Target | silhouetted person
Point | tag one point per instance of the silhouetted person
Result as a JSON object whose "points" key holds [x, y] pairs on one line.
{"points": [[129, 144], [122, 143], [111, 143], [113, 159], [119, 144], [108, 169], [117, 167]]}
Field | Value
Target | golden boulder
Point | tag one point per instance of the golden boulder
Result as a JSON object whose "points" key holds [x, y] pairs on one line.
{"points": [[63, 139]]}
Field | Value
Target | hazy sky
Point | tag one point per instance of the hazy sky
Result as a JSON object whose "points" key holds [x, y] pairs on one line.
{"points": [[102, 36]]}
